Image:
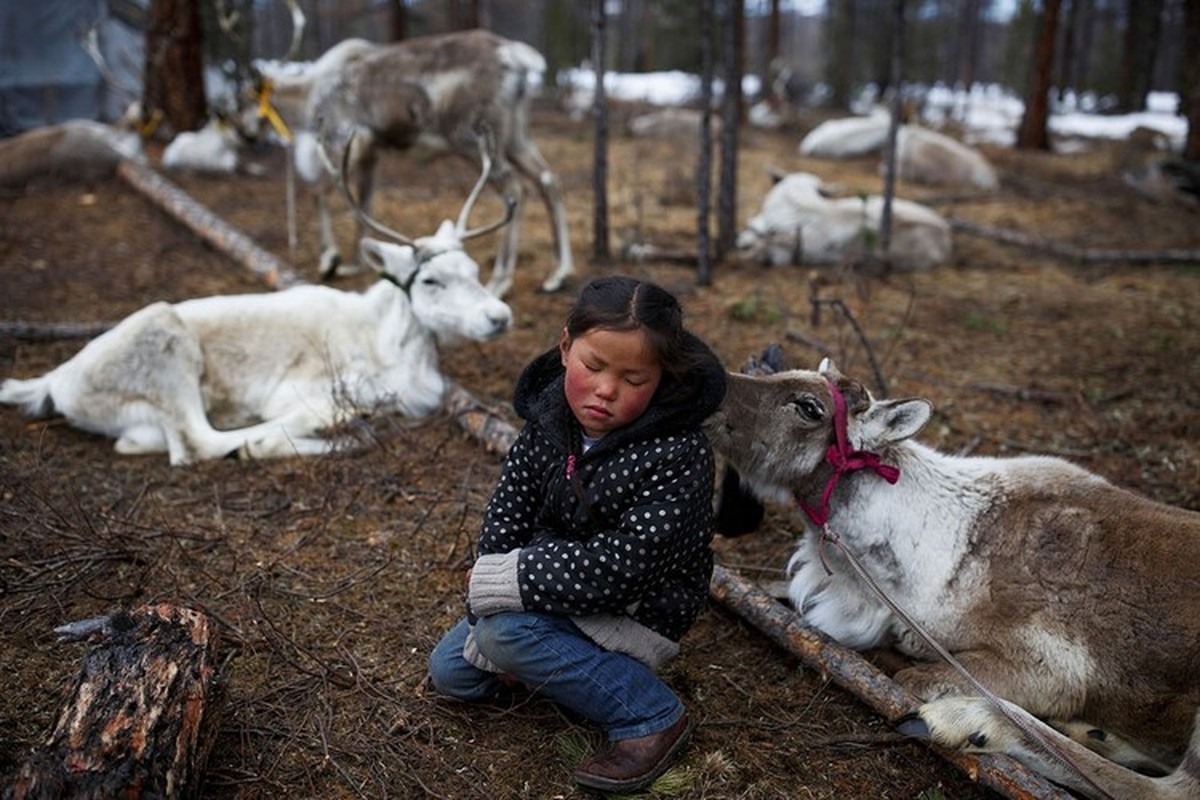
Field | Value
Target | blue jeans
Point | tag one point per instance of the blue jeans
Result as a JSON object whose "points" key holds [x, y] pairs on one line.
{"points": [[551, 656]]}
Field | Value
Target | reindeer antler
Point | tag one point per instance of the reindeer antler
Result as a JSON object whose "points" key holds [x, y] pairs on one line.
{"points": [[459, 227], [340, 177], [510, 202]]}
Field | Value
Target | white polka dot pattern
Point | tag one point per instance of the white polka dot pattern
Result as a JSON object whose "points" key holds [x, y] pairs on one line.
{"points": [[642, 548]]}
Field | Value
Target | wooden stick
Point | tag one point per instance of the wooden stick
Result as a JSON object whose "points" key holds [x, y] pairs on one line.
{"points": [[208, 226], [855, 674], [142, 717]]}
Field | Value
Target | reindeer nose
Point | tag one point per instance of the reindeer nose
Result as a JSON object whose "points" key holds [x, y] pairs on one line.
{"points": [[500, 321]]}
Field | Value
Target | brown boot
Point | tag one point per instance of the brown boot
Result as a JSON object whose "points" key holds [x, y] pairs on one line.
{"points": [[632, 764]]}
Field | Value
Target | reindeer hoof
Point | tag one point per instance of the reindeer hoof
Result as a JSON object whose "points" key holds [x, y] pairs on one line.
{"points": [[912, 725], [555, 283], [329, 265]]}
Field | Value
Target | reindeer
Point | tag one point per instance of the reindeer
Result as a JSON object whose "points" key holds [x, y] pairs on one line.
{"points": [[1066, 598], [268, 375], [798, 223], [425, 96]]}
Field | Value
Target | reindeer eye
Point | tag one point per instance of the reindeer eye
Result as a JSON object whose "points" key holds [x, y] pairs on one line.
{"points": [[434, 283], [808, 406]]}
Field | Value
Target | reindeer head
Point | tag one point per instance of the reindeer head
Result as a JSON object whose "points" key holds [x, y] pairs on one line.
{"points": [[776, 429], [442, 284], [796, 203]]}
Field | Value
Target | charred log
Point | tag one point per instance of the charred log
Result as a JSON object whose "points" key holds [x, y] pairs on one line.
{"points": [[141, 718]]}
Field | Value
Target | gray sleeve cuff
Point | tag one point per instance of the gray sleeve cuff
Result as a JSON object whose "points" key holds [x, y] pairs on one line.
{"points": [[494, 587]]}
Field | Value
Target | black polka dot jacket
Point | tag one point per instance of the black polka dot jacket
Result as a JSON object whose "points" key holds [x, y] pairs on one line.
{"points": [[618, 537]]}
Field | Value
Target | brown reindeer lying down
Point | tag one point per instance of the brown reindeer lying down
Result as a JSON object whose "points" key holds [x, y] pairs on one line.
{"points": [[1075, 600]]}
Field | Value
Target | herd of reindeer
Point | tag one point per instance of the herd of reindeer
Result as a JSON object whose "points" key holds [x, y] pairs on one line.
{"points": [[1067, 609]]}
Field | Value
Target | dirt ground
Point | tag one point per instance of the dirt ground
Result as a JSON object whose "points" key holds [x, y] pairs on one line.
{"points": [[332, 578]]}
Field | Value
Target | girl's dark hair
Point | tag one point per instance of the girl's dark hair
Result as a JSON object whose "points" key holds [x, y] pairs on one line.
{"points": [[621, 303]]}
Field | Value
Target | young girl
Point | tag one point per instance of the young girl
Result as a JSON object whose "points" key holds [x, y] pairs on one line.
{"points": [[594, 557]]}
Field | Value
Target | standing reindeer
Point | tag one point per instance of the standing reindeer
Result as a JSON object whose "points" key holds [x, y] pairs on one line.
{"points": [[426, 96]]}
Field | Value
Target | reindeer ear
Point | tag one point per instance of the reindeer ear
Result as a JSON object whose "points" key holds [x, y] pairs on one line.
{"points": [[397, 260], [857, 397], [890, 421]]}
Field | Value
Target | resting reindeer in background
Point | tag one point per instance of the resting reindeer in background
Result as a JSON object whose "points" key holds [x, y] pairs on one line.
{"points": [[1073, 599], [426, 96], [266, 375], [799, 224]]}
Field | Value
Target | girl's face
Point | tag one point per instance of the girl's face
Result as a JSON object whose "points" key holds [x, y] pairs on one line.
{"points": [[611, 377]]}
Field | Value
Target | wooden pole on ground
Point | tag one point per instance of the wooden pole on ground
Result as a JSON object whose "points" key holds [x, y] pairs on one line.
{"points": [[858, 676], [142, 717], [208, 226], [478, 420]]}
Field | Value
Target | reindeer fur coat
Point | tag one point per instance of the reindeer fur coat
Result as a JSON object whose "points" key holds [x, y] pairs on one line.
{"points": [[616, 537]]}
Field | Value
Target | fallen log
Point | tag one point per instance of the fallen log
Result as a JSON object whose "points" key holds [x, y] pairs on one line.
{"points": [[480, 421], [142, 716], [858, 676], [52, 331], [208, 226], [1076, 254]]}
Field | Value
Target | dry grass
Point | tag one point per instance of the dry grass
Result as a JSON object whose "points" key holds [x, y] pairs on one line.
{"points": [[332, 578]]}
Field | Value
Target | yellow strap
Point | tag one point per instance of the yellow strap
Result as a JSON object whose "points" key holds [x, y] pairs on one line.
{"points": [[269, 113], [146, 126]]}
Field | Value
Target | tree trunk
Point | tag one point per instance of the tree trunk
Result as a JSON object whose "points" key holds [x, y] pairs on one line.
{"points": [[600, 247], [841, 58], [889, 180], [397, 20], [731, 105], [141, 718], [774, 36], [1189, 94], [174, 79], [704, 159], [1033, 133], [969, 31], [1066, 64], [1142, 31]]}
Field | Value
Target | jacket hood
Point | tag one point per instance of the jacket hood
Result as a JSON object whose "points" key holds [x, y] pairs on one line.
{"points": [[680, 402]]}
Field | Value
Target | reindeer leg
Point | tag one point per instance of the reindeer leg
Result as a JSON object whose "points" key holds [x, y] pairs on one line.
{"points": [[506, 255], [330, 256], [973, 724], [530, 163]]}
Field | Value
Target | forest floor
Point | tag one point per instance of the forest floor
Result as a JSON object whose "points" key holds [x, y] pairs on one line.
{"points": [[332, 578]]}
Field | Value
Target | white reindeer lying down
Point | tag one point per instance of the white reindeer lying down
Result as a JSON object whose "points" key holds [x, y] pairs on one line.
{"points": [[922, 155], [798, 224], [1075, 600], [264, 375]]}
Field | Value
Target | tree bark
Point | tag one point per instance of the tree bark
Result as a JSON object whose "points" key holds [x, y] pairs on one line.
{"points": [[889, 175], [1190, 80], [479, 421], [1142, 31], [600, 247], [1033, 133], [174, 78], [142, 715], [704, 159], [731, 106]]}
